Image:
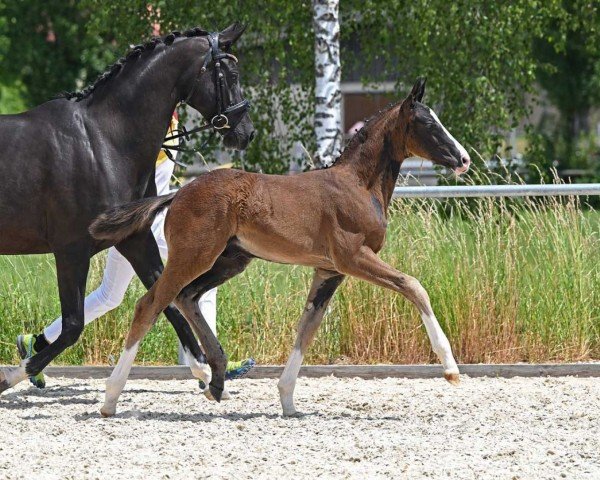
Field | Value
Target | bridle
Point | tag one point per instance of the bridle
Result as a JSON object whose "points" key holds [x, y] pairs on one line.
{"points": [[226, 116], [215, 55]]}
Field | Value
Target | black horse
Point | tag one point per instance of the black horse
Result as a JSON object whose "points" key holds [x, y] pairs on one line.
{"points": [[69, 159]]}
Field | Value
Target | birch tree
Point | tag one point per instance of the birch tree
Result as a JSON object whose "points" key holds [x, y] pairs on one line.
{"points": [[328, 96]]}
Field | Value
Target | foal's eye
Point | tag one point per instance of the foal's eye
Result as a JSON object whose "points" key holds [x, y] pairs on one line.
{"points": [[234, 77]]}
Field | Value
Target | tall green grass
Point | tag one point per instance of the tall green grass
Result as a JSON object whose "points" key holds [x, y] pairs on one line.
{"points": [[509, 280]]}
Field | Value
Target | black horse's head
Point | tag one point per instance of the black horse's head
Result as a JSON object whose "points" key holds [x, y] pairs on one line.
{"points": [[216, 92]]}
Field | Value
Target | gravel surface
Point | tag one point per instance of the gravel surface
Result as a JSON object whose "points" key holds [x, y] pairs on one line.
{"points": [[519, 428]]}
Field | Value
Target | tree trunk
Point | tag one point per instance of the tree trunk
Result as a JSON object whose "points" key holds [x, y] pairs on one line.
{"points": [[328, 96]]}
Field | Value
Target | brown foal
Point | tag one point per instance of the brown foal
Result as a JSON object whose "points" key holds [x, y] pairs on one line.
{"points": [[332, 219]]}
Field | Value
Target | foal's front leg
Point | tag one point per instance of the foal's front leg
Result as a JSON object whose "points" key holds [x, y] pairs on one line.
{"points": [[368, 266], [323, 287]]}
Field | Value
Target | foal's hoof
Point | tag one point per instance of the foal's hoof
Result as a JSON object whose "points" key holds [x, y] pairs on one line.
{"points": [[293, 414], [453, 377], [10, 376], [4, 385], [217, 384], [224, 396], [106, 411]]}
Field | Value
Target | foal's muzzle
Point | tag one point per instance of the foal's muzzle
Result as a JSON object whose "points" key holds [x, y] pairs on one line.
{"points": [[463, 165]]}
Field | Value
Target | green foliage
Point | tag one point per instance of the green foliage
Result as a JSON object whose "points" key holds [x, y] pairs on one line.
{"points": [[476, 55], [12, 98], [569, 72], [276, 54], [45, 47]]}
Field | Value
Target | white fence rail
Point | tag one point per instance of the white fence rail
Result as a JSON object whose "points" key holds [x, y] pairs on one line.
{"points": [[498, 191], [485, 191]]}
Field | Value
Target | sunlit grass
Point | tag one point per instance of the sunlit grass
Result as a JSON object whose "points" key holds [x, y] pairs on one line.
{"points": [[510, 280]]}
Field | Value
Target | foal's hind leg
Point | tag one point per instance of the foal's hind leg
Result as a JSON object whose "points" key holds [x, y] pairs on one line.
{"points": [[368, 266], [230, 263], [323, 287], [146, 311], [178, 273], [142, 252]]}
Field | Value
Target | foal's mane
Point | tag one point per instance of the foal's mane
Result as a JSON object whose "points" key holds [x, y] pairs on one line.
{"points": [[133, 53], [361, 136]]}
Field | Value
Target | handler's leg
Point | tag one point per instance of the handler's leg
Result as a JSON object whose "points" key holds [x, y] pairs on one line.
{"points": [[323, 287], [368, 266], [117, 276], [208, 306]]}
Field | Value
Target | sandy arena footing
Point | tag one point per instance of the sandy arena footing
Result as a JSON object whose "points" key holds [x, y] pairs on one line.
{"points": [[518, 428]]}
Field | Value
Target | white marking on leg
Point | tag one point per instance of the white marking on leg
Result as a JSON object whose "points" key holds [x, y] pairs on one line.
{"points": [[287, 382], [440, 344], [117, 380], [15, 375], [199, 370]]}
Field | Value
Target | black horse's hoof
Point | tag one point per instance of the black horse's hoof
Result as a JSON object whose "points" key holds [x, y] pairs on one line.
{"points": [[216, 391]]}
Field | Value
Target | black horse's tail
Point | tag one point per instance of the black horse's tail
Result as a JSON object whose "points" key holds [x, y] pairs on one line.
{"points": [[120, 222]]}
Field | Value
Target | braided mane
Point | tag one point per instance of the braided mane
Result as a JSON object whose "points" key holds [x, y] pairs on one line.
{"points": [[135, 52]]}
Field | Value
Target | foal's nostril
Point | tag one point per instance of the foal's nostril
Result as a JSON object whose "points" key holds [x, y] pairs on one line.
{"points": [[463, 164], [252, 135]]}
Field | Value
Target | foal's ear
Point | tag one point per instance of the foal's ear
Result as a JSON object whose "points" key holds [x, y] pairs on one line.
{"points": [[231, 35], [418, 89]]}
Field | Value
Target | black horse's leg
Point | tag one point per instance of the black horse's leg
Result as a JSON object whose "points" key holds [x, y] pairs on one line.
{"points": [[232, 261], [72, 267], [143, 254]]}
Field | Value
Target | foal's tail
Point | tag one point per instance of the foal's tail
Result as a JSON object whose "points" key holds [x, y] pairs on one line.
{"points": [[120, 222]]}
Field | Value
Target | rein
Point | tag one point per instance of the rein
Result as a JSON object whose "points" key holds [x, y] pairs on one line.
{"points": [[221, 120]]}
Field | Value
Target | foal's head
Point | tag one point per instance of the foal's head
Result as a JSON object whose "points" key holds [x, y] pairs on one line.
{"points": [[219, 96], [426, 137]]}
